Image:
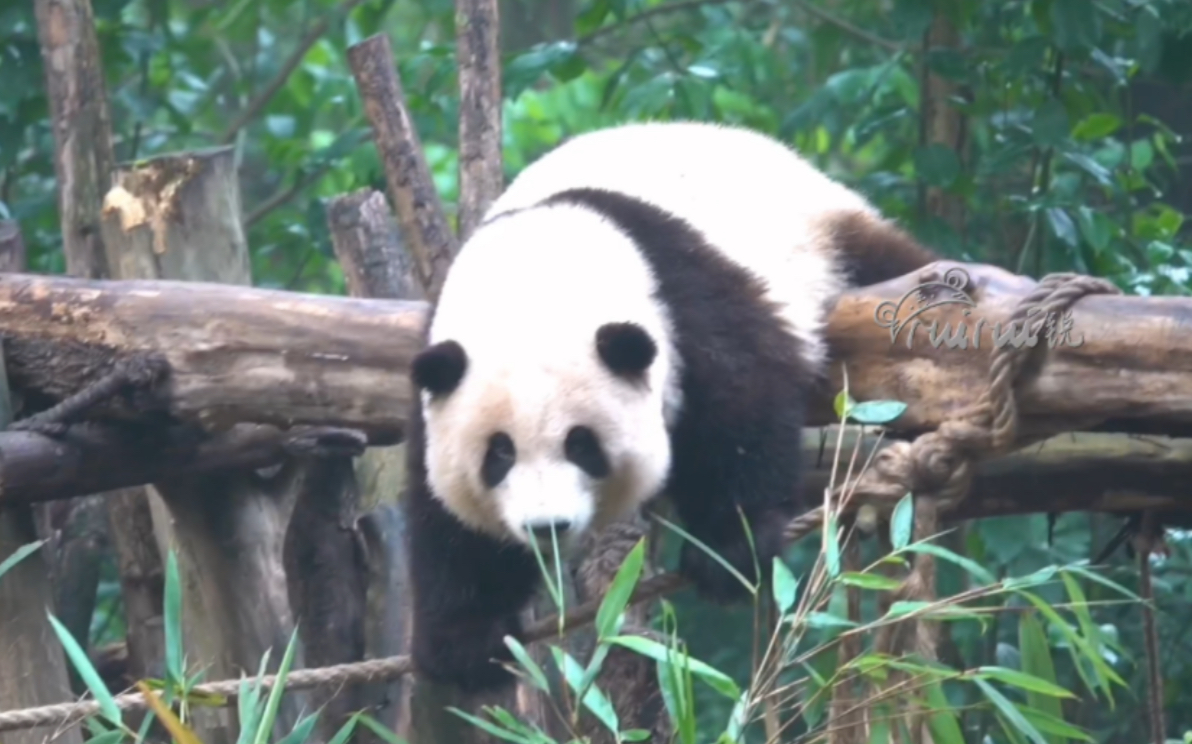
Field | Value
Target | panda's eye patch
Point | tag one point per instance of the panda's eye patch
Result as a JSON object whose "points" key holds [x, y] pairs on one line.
{"points": [[582, 447], [498, 459]]}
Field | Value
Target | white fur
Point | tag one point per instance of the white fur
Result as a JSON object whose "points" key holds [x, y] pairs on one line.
{"points": [[556, 275]]}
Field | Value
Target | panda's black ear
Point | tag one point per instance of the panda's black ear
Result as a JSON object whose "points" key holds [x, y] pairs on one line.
{"points": [[625, 348], [438, 368]]}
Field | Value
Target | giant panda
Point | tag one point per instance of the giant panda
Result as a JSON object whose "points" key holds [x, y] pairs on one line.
{"points": [[639, 313]]}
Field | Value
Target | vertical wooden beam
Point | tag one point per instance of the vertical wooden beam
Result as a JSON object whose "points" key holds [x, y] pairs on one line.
{"points": [[481, 176], [83, 162], [424, 224], [34, 666], [369, 247], [179, 217]]}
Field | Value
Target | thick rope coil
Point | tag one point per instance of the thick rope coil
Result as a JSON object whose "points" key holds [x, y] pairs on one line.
{"points": [[938, 465]]}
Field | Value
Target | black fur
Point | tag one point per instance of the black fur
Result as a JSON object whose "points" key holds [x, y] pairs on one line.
{"points": [[439, 368], [498, 459], [736, 441], [582, 447], [468, 588], [625, 348], [735, 448]]}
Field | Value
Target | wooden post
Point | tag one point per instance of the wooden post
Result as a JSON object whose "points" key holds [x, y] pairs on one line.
{"points": [[481, 177], [35, 671], [83, 162], [425, 229], [178, 217]]}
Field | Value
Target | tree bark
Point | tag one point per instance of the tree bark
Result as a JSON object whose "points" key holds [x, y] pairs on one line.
{"points": [[265, 356], [236, 354], [35, 671], [419, 211], [481, 177], [369, 247], [84, 162], [179, 217], [78, 102]]}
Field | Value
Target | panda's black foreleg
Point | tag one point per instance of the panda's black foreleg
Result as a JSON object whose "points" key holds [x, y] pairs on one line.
{"points": [[468, 592], [731, 463]]}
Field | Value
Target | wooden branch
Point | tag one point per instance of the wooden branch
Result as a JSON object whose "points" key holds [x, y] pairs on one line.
{"points": [[83, 158], [369, 246], [1128, 360], [419, 210], [481, 178]]}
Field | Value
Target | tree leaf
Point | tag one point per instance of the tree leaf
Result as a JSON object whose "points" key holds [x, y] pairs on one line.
{"points": [[870, 581], [902, 522], [715, 678], [620, 591], [877, 412], [785, 586], [1025, 681], [1009, 712], [1095, 126]]}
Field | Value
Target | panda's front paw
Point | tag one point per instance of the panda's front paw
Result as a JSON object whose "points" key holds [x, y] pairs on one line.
{"points": [[467, 655]]}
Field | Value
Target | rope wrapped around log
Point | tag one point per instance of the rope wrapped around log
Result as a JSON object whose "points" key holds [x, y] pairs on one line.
{"points": [[937, 467]]}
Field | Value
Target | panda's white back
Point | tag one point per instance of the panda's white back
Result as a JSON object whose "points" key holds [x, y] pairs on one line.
{"points": [[751, 196]]}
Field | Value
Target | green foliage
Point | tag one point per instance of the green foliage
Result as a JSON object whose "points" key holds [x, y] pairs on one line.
{"points": [[1066, 164]]}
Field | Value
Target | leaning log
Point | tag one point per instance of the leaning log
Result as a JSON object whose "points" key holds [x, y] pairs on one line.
{"points": [[246, 355]]}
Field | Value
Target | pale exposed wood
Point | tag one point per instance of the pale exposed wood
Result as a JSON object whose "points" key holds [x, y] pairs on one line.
{"points": [[425, 228], [178, 216], [481, 178]]}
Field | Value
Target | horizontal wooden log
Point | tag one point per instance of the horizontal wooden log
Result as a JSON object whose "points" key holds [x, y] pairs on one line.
{"points": [[1111, 473], [244, 355], [97, 458], [1127, 360], [236, 354]]}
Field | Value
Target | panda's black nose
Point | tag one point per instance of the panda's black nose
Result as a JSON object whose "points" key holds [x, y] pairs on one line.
{"points": [[541, 530]]}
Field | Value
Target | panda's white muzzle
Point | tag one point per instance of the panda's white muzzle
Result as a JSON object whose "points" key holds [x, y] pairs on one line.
{"points": [[536, 498]]}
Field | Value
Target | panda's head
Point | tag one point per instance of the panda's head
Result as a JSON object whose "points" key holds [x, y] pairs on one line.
{"points": [[570, 438]]}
